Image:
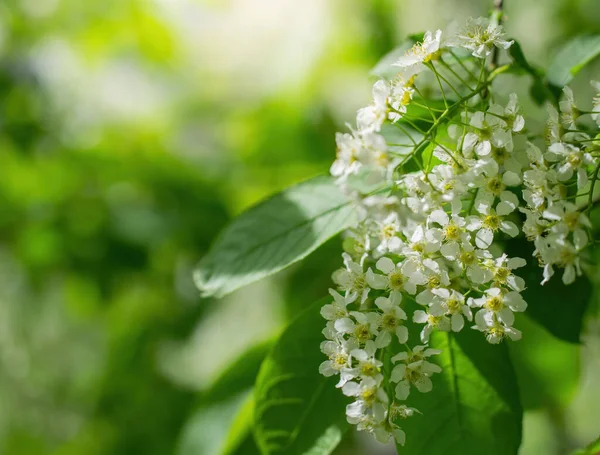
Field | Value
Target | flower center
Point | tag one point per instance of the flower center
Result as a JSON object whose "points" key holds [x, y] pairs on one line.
{"points": [[397, 281], [434, 282], [492, 222], [340, 360], [502, 274], [389, 322], [452, 232], [388, 231], [572, 220], [359, 283], [574, 159], [453, 305], [368, 395], [495, 186], [368, 369], [362, 332], [494, 304], [434, 320], [467, 258], [500, 155]]}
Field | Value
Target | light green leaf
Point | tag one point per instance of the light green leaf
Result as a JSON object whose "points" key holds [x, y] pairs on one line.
{"points": [[273, 235], [239, 375], [571, 58], [207, 428], [384, 68], [592, 449], [298, 411], [474, 407], [239, 439], [547, 368]]}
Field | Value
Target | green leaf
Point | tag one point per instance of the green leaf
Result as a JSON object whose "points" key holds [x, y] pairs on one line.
{"points": [[239, 375], [298, 411], [207, 428], [474, 407], [556, 307], [592, 449], [273, 235], [571, 58], [548, 369], [239, 439], [384, 68], [539, 91]]}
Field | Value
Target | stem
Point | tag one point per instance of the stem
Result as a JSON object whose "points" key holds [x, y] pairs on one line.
{"points": [[498, 17], [591, 195]]}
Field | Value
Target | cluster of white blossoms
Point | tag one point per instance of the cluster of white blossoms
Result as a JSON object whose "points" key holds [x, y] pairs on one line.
{"points": [[423, 252]]}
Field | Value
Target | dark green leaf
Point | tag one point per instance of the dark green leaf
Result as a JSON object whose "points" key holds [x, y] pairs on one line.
{"points": [[539, 90], [474, 407], [571, 58], [558, 308], [274, 234], [298, 411]]}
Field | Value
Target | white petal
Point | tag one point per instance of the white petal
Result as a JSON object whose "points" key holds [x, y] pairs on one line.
{"points": [[509, 228], [402, 390], [386, 265], [458, 322], [484, 238]]}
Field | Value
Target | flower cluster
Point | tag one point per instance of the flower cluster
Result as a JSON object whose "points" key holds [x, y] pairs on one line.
{"points": [[423, 253], [553, 183]]}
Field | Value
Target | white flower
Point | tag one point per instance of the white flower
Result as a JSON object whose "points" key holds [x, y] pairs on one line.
{"points": [[480, 36], [400, 96], [412, 61], [415, 370], [488, 131], [453, 302], [387, 232], [512, 117], [569, 111], [352, 279], [570, 159], [434, 318], [499, 305], [557, 250], [567, 219], [495, 331], [452, 235], [473, 262], [371, 118], [368, 392], [390, 321], [502, 268], [338, 308], [491, 221], [404, 276], [361, 331], [367, 366], [366, 148], [338, 352], [435, 276]]}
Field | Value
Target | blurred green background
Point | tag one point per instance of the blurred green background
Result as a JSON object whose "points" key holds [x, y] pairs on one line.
{"points": [[130, 133]]}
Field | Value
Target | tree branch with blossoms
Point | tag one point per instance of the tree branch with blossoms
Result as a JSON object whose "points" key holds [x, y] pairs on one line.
{"points": [[457, 212], [431, 238]]}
